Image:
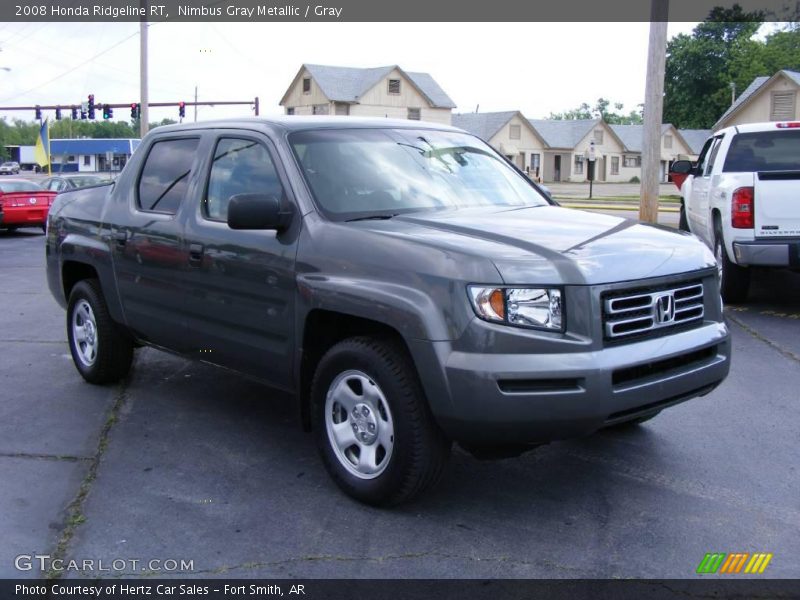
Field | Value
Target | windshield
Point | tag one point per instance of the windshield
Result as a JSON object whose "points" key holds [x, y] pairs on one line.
{"points": [[357, 173], [7, 164], [79, 182], [18, 186], [764, 151]]}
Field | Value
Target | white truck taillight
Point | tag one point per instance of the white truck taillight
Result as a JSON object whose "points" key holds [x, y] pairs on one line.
{"points": [[742, 208], [789, 125]]}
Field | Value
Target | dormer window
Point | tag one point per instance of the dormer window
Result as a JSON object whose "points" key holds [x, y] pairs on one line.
{"points": [[394, 86]]}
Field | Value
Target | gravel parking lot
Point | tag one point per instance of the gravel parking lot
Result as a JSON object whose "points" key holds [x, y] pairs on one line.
{"points": [[188, 462]]}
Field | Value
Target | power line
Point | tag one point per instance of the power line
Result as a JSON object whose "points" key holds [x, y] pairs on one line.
{"points": [[65, 73]]}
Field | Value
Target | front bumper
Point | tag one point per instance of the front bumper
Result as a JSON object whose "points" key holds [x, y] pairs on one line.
{"points": [[768, 253], [535, 398]]}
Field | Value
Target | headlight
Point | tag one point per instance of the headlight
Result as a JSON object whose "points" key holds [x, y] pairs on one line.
{"points": [[539, 308]]}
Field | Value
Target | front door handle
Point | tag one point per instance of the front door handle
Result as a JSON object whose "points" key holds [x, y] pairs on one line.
{"points": [[195, 252]]}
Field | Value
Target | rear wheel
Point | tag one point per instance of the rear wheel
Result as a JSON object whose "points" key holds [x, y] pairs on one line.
{"points": [[734, 280], [372, 424], [101, 351]]}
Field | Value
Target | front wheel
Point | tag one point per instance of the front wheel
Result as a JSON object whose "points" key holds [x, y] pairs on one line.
{"points": [[372, 424], [101, 351], [683, 222], [734, 281]]}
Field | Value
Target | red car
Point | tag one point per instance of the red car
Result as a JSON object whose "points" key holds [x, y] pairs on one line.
{"points": [[23, 203]]}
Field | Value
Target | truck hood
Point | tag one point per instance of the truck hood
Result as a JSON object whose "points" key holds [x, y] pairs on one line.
{"points": [[554, 245]]}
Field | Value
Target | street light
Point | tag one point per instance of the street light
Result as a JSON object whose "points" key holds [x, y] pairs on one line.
{"points": [[590, 155]]}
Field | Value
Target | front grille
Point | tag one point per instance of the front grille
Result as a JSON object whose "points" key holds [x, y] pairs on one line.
{"points": [[636, 313]]}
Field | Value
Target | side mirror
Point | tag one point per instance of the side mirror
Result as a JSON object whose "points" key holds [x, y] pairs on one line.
{"points": [[682, 167], [257, 211]]}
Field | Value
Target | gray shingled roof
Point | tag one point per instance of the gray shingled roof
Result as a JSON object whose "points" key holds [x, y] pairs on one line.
{"points": [[632, 136], [348, 84], [484, 125], [695, 138], [751, 89], [563, 133], [431, 89]]}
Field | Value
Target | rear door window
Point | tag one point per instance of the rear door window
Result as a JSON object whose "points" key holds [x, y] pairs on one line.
{"points": [[764, 151], [165, 176]]}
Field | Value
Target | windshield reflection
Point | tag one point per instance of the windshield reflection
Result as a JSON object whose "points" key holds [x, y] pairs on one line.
{"points": [[380, 173]]}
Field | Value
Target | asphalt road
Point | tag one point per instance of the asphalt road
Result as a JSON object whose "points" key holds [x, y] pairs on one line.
{"points": [[188, 462]]}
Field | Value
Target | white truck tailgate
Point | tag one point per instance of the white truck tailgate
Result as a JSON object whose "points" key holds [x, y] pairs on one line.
{"points": [[777, 204]]}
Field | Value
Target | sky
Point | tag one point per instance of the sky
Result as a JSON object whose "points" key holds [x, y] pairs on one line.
{"points": [[537, 68]]}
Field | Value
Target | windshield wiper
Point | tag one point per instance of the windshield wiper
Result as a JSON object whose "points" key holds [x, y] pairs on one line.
{"points": [[373, 218]]}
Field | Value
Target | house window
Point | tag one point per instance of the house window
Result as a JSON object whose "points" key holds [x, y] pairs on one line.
{"points": [[71, 158], [414, 114], [290, 110], [598, 136], [782, 108], [342, 109], [394, 86], [615, 165], [578, 164], [87, 160], [320, 109], [535, 162], [668, 141], [515, 132], [632, 161], [306, 85]]}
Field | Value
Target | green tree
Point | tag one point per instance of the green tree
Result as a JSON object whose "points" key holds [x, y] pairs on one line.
{"points": [[601, 110], [700, 67]]}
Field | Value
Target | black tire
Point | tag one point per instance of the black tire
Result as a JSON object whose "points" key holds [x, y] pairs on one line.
{"points": [[419, 449], [633, 422], [683, 222], [113, 351], [734, 280]]}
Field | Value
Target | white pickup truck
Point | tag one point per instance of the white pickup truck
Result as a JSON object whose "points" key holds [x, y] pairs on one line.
{"points": [[742, 198]]}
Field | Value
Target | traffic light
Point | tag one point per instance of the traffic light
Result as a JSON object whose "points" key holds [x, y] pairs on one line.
{"points": [[90, 106], [58, 113], [108, 112], [181, 109], [74, 113], [38, 113], [134, 110]]}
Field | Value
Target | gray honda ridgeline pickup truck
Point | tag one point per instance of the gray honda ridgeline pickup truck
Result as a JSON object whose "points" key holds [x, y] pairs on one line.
{"points": [[402, 280]]}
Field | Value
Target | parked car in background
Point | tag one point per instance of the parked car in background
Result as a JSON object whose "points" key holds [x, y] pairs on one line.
{"points": [[23, 203], [62, 183], [742, 198], [9, 168]]}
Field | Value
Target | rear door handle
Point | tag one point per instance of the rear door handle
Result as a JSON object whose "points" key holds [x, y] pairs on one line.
{"points": [[195, 252], [120, 237]]}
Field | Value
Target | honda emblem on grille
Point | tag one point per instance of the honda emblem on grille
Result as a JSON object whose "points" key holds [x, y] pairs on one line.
{"points": [[665, 309], [32, 200]]}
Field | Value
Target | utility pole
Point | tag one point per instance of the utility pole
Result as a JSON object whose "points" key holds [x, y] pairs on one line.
{"points": [[653, 110], [144, 113]]}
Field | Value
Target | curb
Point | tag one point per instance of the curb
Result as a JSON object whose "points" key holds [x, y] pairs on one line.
{"points": [[613, 207]]}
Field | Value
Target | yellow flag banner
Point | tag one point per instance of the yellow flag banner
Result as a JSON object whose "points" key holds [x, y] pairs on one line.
{"points": [[41, 152]]}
